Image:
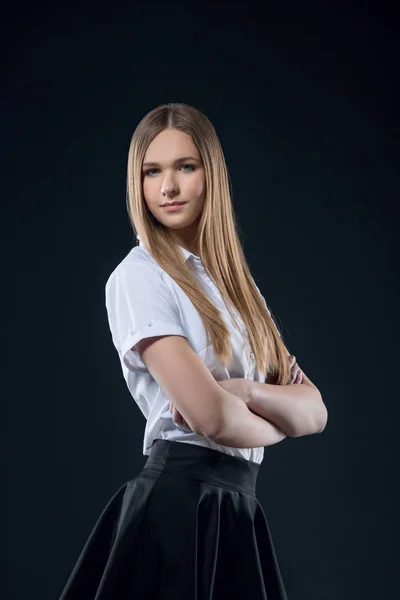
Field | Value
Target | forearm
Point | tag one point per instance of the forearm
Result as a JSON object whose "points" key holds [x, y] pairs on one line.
{"points": [[241, 428], [297, 409]]}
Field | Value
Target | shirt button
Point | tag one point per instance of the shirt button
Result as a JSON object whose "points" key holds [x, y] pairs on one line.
{"points": [[251, 355], [150, 324]]}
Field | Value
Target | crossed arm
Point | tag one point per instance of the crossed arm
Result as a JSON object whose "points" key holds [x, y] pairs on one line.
{"points": [[291, 410], [297, 409]]}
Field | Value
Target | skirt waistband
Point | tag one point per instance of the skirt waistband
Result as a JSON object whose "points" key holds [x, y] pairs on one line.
{"points": [[206, 464]]}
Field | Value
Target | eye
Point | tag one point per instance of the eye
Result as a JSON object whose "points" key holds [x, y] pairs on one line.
{"points": [[191, 167]]}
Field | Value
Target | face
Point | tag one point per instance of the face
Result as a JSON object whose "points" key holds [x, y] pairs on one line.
{"points": [[181, 180]]}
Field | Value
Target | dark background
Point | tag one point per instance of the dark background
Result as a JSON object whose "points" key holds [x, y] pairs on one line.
{"points": [[302, 96]]}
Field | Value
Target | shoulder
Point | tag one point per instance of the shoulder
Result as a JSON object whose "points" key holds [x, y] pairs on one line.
{"points": [[137, 266]]}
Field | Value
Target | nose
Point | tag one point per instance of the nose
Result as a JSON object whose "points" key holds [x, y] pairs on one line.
{"points": [[169, 185], [168, 190]]}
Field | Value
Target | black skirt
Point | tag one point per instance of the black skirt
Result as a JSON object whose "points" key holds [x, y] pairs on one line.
{"points": [[187, 527]]}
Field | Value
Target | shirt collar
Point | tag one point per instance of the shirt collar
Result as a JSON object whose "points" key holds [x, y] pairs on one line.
{"points": [[186, 253]]}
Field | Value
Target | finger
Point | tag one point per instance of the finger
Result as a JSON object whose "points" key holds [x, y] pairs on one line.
{"points": [[182, 420], [299, 376], [293, 372], [176, 416]]}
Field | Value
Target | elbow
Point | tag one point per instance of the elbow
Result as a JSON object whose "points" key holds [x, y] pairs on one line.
{"points": [[322, 417], [213, 422], [211, 431], [209, 427], [312, 421], [323, 421]]}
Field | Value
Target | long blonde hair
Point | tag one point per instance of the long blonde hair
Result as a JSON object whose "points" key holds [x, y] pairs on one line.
{"points": [[219, 246]]}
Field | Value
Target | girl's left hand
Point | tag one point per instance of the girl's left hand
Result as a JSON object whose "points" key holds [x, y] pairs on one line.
{"points": [[177, 417]]}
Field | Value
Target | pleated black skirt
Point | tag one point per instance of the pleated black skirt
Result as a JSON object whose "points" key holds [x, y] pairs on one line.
{"points": [[187, 527]]}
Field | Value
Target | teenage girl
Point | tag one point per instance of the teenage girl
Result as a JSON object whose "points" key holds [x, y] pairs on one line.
{"points": [[206, 365]]}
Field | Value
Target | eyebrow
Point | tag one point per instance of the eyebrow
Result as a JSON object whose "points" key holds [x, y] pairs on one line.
{"points": [[178, 160]]}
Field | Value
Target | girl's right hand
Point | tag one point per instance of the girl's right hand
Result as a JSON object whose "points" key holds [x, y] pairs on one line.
{"points": [[296, 372]]}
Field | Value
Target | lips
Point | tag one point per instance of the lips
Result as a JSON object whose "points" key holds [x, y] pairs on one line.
{"points": [[172, 203]]}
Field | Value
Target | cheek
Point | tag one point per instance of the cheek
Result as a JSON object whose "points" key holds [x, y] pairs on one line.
{"points": [[197, 188], [149, 193], [146, 188]]}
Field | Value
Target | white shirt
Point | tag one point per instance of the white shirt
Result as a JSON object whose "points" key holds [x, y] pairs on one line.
{"points": [[142, 301]]}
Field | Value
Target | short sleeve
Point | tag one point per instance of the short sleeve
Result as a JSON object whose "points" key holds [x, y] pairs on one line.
{"points": [[139, 305]]}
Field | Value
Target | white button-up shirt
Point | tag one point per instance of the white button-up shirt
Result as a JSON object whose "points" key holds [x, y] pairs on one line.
{"points": [[142, 301]]}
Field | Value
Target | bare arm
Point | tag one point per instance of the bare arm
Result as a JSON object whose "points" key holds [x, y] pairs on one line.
{"points": [[243, 429], [297, 409], [207, 408]]}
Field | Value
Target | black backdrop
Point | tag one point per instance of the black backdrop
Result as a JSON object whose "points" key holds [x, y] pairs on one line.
{"points": [[302, 96]]}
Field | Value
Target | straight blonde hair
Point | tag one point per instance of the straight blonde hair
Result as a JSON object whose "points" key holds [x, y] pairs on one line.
{"points": [[219, 246]]}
